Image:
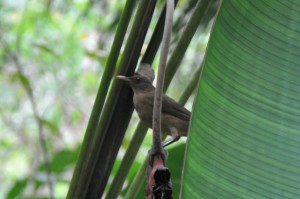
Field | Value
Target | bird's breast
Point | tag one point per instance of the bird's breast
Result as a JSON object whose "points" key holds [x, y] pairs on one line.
{"points": [[143, 104]]}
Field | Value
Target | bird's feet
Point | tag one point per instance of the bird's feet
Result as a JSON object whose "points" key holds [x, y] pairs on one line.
{"points": [[154, 152]]}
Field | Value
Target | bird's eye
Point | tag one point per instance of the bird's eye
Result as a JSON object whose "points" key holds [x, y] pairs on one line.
{"points": [[138, 79]]}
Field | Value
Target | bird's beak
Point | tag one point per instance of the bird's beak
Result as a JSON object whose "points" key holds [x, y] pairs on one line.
{"points": [[126, 79]]}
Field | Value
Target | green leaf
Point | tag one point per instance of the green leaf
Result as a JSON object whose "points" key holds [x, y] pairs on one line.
{"points": [[50, 125], [90, 81], [76, 115], [244, 140], [45, 48], [63, 159], [17, 189], [18, 76]]}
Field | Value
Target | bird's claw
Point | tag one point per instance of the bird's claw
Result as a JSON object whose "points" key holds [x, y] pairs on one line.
{"points": [[157, 152]]}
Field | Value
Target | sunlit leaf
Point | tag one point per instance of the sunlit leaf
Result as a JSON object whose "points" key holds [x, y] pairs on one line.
{"points": [[89, 81], [76, 115]]}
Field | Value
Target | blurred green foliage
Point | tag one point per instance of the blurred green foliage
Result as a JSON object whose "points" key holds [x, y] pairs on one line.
{"points": [[59, 49], [61, 54]]}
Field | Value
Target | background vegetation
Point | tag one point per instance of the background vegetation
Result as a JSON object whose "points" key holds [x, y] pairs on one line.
{"points": [[53, 54]]}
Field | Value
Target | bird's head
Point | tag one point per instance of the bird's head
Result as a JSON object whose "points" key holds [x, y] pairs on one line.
{"points": [[137, 82], [141, 80]]}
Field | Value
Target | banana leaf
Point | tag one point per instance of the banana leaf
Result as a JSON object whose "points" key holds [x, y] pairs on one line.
{"points": [[244, 140]]}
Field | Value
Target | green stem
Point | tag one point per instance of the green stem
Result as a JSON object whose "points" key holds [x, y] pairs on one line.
{"points": [[137, 183], [82, 165], [184, 41], [133, 148], [118, 108]]}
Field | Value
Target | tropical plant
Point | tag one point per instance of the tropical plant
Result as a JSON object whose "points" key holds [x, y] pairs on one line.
{"points": [[245, 131]]}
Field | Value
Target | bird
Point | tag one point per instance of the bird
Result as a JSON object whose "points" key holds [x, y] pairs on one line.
{"points": [[175, 118]]}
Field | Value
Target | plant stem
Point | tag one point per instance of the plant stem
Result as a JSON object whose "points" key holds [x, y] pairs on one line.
{"points": [[156, 125]]}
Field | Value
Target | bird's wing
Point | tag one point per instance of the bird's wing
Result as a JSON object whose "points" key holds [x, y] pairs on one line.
{"points": [[171, 107]]}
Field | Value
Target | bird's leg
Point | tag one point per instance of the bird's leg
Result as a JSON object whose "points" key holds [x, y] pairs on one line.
{"points": [[175, 137]]}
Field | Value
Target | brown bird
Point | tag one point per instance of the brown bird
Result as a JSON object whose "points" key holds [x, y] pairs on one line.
{"points": [[174, 118]]}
